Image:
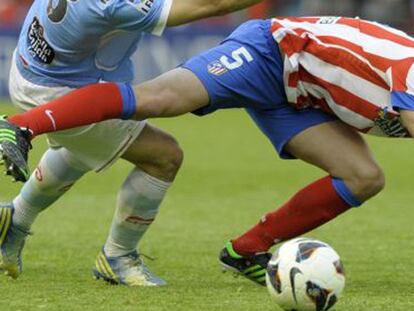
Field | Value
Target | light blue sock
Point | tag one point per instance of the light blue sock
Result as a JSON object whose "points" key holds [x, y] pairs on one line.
{"points": [[138, 205], [56, 173]]}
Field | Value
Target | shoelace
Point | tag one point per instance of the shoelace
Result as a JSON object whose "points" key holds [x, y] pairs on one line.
{"points": [[138, 263], [148, 257]]}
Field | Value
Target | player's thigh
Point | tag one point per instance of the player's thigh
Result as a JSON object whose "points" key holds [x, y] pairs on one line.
{"points": [[332, 146], [342, 152], [174, 93], [324, 141], [156, 152]]}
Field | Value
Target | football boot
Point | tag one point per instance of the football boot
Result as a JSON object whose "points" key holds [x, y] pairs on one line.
{"points": [[252, 267], [129, 270], [14, 149], [12, 240]]}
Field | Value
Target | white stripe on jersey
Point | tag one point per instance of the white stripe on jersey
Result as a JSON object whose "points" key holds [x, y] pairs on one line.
{"points": [[344, 79], [345, 114]]}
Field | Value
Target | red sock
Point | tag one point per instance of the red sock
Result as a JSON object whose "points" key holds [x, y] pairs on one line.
{"points": [[91, 104], [308, 209]]}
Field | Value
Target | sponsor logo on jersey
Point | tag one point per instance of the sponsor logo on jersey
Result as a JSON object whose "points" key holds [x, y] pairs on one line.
{"points": [[143, 6], [38, 47], [216, 68]]}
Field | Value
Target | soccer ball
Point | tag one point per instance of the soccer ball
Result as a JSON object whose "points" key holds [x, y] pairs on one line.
{"points": [[305, 275]]}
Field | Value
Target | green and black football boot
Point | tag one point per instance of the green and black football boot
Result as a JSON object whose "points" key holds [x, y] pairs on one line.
{"points": [[252, 267], [14, 149]]}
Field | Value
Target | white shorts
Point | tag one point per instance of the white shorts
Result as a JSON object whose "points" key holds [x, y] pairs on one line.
{"points": [[97, 146]]}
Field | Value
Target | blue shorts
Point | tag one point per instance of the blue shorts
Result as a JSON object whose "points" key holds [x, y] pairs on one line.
{"points": [[246, 71]]}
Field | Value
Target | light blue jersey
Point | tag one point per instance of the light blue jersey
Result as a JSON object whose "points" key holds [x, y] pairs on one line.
{"points": [[78, 42]]}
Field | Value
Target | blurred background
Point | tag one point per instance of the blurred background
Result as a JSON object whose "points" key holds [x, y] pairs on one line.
{"points": [[158, 55]]}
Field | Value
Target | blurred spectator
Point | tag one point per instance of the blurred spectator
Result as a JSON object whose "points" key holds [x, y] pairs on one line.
{"points": [[398, 13], [392, 12], [271, 8], [12, 12]]}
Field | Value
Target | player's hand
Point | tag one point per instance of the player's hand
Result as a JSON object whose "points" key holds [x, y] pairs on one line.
{"points": [[407, 117]]}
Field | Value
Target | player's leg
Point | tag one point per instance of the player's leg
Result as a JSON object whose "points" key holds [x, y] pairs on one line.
{"points": [[217, 86], [56, 172], [354, 163], [114, 139], [353, 178], [157, 158]]}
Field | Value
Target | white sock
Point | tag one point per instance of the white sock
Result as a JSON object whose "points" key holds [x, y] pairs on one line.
{"points": [[56, 173], [137, 206]]}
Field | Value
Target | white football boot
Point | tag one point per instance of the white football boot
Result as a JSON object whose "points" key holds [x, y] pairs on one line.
{"points": [[127, 270]]}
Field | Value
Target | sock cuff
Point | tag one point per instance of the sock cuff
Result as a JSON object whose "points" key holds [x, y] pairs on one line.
{"points": [[230, 249], [154, 181], [344, 192], [129, 101]]}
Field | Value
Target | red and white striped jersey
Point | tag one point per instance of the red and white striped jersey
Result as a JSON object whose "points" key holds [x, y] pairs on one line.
{"points": [[360, 71]]}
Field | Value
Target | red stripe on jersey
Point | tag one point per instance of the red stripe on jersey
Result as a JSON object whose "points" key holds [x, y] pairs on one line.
{"points": [[296, 43], [293, 43], [400, 73], [379, 62], [342, 97], [276, 26], [336, 57], [293, 79], [377, 31]]}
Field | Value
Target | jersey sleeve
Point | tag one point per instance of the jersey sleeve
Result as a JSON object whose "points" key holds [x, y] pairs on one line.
{"points": [[402, 92], [140, 15]]}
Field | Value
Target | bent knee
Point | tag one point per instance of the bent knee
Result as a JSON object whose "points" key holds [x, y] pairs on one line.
{"points": [[167, 162], [172, 159], [367, 182]]}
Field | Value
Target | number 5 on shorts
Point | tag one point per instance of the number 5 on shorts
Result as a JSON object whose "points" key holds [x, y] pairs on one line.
{"points": [[239, 56]]}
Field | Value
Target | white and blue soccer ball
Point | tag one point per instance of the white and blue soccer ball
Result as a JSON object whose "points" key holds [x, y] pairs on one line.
{"points": [[305, 275]]}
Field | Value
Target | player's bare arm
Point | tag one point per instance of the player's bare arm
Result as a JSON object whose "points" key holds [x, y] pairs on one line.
{"points": [[185, 11]]}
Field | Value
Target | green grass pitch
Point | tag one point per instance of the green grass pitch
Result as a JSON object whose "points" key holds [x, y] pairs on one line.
{"points": [[231, 176]]}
